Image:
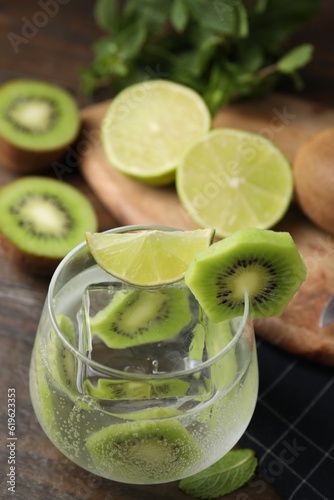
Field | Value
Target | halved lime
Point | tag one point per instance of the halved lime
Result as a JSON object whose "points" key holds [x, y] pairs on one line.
{"points": [[148, 127], [148, 257], [231, 179]]}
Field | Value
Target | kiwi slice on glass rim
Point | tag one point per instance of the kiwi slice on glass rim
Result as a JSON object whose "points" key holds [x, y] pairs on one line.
{"points": [[41, 220], [265, 264], [38, 120]]}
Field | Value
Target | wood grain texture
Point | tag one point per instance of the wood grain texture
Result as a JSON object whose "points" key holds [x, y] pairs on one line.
{"points": [[288, 122]]}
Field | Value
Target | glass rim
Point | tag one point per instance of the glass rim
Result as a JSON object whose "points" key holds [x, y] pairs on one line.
{"points": [[120, 373]]}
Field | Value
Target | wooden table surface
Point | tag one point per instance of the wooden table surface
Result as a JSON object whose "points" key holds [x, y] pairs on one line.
{"points": [[55, 52]]}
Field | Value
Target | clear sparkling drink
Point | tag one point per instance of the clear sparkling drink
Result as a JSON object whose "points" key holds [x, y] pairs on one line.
{"points": [[137, 385]]}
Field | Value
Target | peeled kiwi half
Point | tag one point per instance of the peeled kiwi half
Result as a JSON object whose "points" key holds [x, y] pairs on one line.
{"points": [[142, 316], [144, 451], [38, 120], [41, 220], [266, 264]]}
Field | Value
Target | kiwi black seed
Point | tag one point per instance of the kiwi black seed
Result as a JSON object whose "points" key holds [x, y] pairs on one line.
{"points": [[266, 264], [41, 220], [109, 389], [142, 316], [38, 120], [144, 451]]}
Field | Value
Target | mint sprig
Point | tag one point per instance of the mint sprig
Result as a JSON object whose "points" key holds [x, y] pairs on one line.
{"points": [[224, 49], [228, 474]]}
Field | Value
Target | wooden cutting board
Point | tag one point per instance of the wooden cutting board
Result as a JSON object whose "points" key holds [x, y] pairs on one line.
{"points": [[288, 122]]}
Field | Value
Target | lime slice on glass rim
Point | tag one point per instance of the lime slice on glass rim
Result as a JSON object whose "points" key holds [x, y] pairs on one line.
{"points": [[149, 125], [148, 257], [232, 179]]}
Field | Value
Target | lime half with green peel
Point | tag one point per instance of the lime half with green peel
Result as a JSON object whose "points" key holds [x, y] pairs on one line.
{"points": [[231, 179], [148, 257], [148, 127]]}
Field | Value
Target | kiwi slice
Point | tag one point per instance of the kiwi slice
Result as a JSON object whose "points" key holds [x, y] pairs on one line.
{"points": [[142, 316], [107, 389], [38, 120], [41, 220], [266, 264], [62, 368], [225, 370], [60, 360], [144, 451]]}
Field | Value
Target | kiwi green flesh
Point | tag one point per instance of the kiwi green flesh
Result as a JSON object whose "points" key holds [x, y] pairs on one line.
{"points": [[142, 316], [224, 372], [44, 217], [264, 263], [60, 359], [61, 365], [108, 389], [142, 451], [37, 116]]}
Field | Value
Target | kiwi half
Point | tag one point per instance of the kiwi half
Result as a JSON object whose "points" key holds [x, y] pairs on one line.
{"points": [[38, 120], [142, 316], [41, 220], [264, 263], [144, 451]]}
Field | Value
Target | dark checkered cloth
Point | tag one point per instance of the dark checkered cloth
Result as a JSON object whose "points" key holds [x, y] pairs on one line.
{"points": [[292, 430]]}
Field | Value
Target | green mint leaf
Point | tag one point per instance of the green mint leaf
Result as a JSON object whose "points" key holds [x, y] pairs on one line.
{"points": [[107, 14], [224, 49], [220, 17], [131, 39], [154, 14], [261, 6], [278, 20], [242, 15], [179, 15], [228, 474], [295, 58]]}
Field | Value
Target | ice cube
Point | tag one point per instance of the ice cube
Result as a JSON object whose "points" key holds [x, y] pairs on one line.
{"points": [[142, 331]]}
